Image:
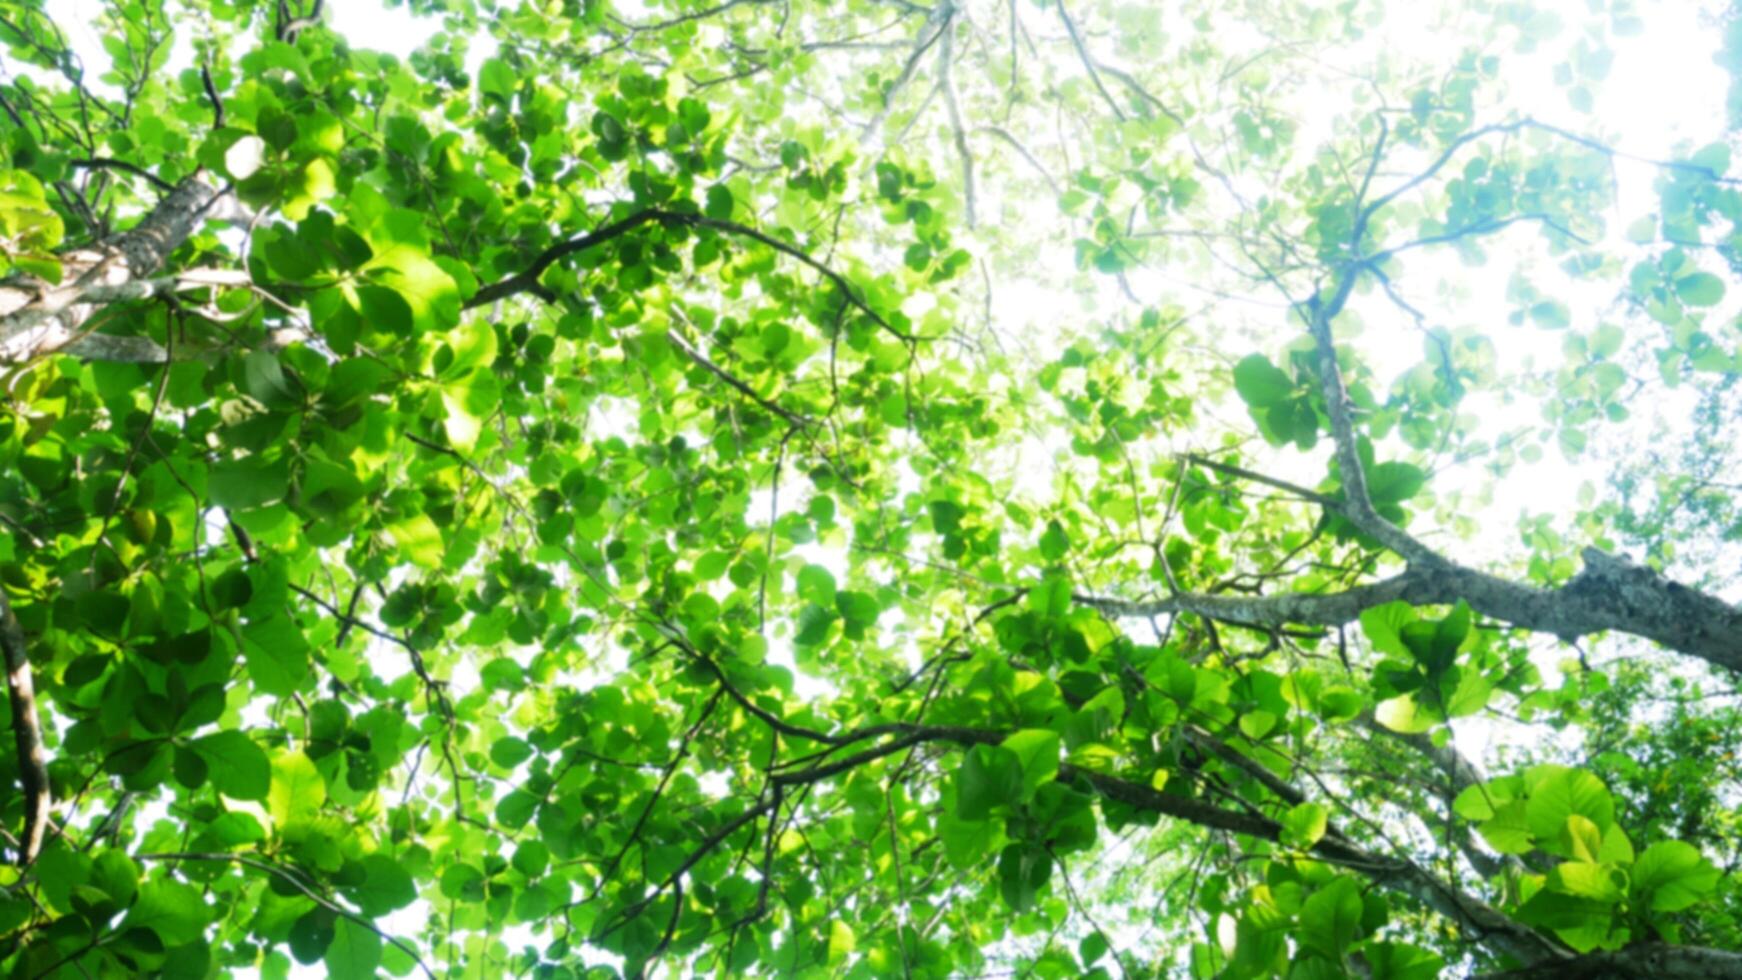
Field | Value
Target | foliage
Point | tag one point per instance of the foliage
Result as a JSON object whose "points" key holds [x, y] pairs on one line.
{"points": [[863, 489]]}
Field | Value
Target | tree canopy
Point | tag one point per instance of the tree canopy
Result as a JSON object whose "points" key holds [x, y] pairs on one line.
{"points": [[871, 488]]}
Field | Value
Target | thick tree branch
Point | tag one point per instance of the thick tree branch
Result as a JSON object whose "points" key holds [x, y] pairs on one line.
{"points": [[1251, 767], [1609, 594], [526, 280], [1357, 504], [39, 318], [1483, 923], [26, 734], [1653, 961]]}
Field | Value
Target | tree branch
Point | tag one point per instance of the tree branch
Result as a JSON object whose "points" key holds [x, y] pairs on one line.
{"points": [[737, 383], [110, 163], [946, 80], [1460, 774], [937, 21], [526, 280], [1648, 961], [1609, 594], [1306, 608], [295, 881], [26, 734], [41, 318], [1088, 62], [1484, 924]]}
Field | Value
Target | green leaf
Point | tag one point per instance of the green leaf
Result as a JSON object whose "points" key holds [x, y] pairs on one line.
{"points": [[1260, 383], [1581, 838], [1564, 793], [989, 777], [1476, 802], [1023, 871], [1404, 714], [509, 751], [1509, 830], [297, 793], [1700, 289], [428, 291], [1471, 695], [1037, 752], [857, 608], [468, 402], [816, 585], [1257, 723], [966, 840], [495, 78], [1401, 961], [516, 809], [1560, 911], [354, 952], [1616, 848], [418, 540], [470, 347], [1054, 544], [1672, 875], [248, 483], [1340, 704], [266, 382], [813, 625], [720, 203], [386, 886], [1330, 919], [276, 654], [239, 767], [1383, 626], [1587, 880], [842, 942], [1304, 825], [1393, 483], [174, 911], [1092, 947]]}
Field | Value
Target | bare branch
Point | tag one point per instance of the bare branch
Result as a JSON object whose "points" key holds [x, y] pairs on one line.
{"points": [[946, 55], [526, 281], [110, 163], [1088, 62], [936, 23]]}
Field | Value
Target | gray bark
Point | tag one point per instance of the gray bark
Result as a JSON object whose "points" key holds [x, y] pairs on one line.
{"points": [[38, 317], [1647, 962], [1611, 593]]}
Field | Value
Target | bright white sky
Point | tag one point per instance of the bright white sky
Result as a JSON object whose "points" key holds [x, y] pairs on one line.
{"points": [[1664, 96]]}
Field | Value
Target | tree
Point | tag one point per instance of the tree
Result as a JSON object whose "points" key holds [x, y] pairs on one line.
{"points": [[870, 489]]}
